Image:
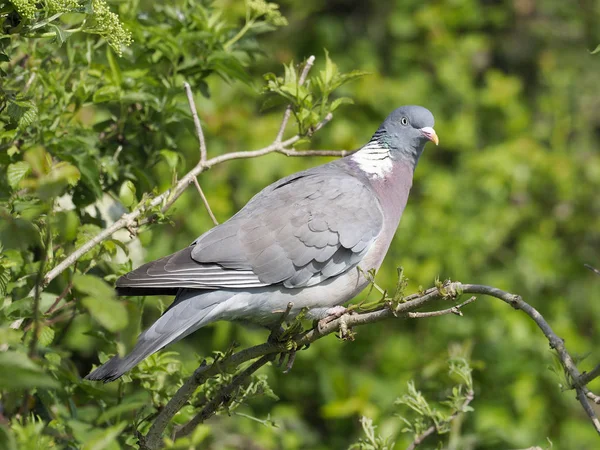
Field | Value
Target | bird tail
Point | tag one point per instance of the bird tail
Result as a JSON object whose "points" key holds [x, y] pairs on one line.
{"points": [[188, 312]]}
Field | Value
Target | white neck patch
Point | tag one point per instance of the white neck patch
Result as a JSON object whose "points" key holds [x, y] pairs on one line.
{"points": [[374, 159]]}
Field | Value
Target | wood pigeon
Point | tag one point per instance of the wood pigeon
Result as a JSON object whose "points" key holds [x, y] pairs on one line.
{"points": [[306, 239]]}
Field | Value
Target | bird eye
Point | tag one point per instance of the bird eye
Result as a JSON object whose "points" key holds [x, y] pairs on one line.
{"points": [[404, 121]]}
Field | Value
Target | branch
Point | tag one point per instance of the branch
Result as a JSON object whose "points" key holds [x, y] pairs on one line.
{"points": [[432, 429], [405, 309], [167, 198], [221, 397], [454, 310], [205, 201], [153, 439], [558, 344], [586, 377], [593, 269], [199, 133]]}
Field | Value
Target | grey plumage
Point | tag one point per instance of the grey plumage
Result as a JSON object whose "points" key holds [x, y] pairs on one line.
{"points": [[300, 239]]}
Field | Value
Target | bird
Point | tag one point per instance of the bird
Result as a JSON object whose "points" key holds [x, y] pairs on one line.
{"points": [[306, 240]]}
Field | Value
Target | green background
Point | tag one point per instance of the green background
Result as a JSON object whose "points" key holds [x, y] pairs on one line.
{"points": [[510, 198]]}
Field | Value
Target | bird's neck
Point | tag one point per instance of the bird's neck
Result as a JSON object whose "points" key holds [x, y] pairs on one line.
{"points": [[374, 159], [377, 158]]}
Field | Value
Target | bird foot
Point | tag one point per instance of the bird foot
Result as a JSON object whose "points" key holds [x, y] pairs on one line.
{"points": [[291, 357], [332, 314]]}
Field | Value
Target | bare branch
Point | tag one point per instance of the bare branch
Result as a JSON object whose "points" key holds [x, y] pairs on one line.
{"points": [[205, 201], [593, 269], [432, 429], [62, 295], [271, 347], [405, 309], [556, 343], [288, 111], [586, 377], [454, 310], [336, 153], [199, 133]]}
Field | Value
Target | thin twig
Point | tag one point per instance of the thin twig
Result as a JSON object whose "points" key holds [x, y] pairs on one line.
{"points": [[288, 111], [586, 377], [593, 269], [205, 201], [454, 310], [62, 295], [432, 429], [38, 291], [29, 82], [199, 132], [593, 397]]}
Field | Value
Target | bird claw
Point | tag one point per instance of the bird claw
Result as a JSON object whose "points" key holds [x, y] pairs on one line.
{"points": [[332, 314]]}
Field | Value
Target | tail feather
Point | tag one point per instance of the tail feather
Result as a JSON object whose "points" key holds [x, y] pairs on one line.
{"points": [[184, 316]]}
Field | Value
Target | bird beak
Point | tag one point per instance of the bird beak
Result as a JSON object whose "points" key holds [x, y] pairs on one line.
{"points": [[429, 133]]}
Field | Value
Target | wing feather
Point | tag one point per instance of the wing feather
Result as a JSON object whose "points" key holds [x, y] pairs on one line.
{"points": [[297, 232]]}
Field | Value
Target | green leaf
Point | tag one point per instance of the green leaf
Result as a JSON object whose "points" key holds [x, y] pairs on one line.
{"points": [[39, 160], [17, 371], [46, 336], [102, 439], [88, 166], [23, 112], [66, 223], [55, 182], [4, 278], [171, 158], [18, 233], [596, 50], [110, 313], [84, 234], [119, 410], [340, 101], [127, 194], [94, 286], [16, 172], [107, 94], [114, 67], [7, 439], [21, 308], [330, 71], [10, 336], [60, 34]]}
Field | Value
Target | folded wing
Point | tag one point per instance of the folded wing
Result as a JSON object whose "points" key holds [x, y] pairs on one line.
{"points": [[297, 232]]}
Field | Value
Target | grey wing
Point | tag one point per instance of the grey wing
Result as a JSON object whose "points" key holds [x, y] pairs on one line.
{"points": [[298, 232]]}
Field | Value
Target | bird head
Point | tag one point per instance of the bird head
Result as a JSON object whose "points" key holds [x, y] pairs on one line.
{"points": [[406, 131]]}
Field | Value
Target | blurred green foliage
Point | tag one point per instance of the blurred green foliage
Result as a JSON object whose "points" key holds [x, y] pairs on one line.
{"points": [[93, 115]]}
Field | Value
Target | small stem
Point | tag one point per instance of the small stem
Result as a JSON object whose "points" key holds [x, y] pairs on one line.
{"points": [[46, 22], [239, 34], [197, 126], [38, 290], [205, 201], [586, 377]]}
